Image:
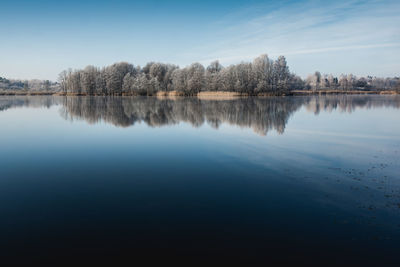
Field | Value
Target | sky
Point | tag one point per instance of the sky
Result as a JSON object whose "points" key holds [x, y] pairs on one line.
{"points": [[39, 39]]}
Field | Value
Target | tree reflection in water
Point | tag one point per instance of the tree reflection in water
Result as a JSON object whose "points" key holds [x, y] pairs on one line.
{"points": [[260, 114]]}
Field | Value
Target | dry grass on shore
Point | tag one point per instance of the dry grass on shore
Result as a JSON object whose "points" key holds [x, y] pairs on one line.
{"points": [[218, 95], [169, 93], [389, 93], [22, 93], [221, 95], [338, 92]]}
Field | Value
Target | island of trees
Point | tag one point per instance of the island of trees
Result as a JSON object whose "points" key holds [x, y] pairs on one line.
{"points": [[263, 76]]}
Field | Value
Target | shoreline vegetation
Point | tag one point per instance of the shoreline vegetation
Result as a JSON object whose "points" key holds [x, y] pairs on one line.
{"points": [[261, 77], [210, 94]]}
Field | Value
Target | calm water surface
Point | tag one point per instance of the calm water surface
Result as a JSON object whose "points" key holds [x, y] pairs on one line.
{"points": [[250, 181]]}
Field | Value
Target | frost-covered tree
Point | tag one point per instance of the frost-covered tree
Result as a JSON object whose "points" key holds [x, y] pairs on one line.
{"points": [[179, 80], [213, 77], [196, 78], [88, 80], [281, 74], [343, 82], [263, 75], [115, 75]]}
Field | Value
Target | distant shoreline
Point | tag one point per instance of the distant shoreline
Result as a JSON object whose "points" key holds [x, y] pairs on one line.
{"points": [[212, 94]]}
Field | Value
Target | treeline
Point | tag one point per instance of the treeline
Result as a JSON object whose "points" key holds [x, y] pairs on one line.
{"points": [[318, 81], [263, 75], [28, 85]]}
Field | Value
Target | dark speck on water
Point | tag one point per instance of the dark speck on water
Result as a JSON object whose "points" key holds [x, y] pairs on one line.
{"points": [[242, 181]]}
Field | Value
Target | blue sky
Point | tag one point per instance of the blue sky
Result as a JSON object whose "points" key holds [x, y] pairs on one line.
{"points": [[39, 39]]}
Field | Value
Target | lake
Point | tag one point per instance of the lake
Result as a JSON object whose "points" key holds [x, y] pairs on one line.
{"points": [[247, 181]]}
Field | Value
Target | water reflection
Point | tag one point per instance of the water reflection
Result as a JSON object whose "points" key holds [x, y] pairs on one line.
{"points": [[349, 103], [7, 102], [67, 188], [260, 114]]}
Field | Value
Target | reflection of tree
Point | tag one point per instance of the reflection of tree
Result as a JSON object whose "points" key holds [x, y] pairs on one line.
{"points": [[260, 114], [7, 102], [349, 103]]}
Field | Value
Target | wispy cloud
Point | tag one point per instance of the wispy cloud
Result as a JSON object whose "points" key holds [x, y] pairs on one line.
{"points": [[305, 28], [341, 36]]}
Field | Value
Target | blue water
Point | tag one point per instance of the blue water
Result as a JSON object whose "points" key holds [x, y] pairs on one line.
{"points": [[286, 180]]}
